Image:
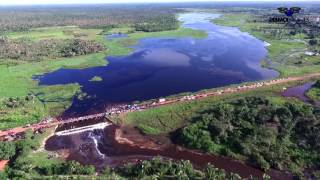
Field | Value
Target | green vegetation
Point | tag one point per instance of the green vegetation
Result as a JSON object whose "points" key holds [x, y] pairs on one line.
{"points": [[7, 150], [16, 106], [181, 32], [19, 111], [96, 16], [29, 161], [161, 23], [66, 168], [96, 79], [165, 169], [165, 119], [314, 92], [26, 162], [278, 135], [25, 50], [265, 130], [43, 33], [118, 47], [162, 119], [46, 49], [294, 155], [287, 45]]}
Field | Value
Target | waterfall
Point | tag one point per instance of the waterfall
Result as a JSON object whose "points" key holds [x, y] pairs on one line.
{"points": [[94, 137]]}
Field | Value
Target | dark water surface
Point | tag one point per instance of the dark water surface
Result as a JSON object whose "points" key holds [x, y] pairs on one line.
{"points": [[299, 92], [164, 66], [115, 36]]}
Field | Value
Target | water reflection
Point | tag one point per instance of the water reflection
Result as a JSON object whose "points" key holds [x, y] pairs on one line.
{"points": [[299, 92], [165, 66], [115, 36]]}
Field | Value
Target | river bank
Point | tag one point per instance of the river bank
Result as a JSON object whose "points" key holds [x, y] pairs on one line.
{"points": [[120, 145]]}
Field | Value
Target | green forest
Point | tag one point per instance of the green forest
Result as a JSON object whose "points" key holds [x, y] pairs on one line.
{"points": [[284, 136], [26, 18], [26, 50]]}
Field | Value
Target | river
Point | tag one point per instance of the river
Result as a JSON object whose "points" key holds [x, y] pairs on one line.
{"points": [[116, 146]]}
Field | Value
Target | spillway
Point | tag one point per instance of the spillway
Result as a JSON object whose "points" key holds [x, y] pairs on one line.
{"points": [[83, 129]]}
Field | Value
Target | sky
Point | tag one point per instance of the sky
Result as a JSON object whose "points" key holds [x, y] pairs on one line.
{"points": [[31, 2]]}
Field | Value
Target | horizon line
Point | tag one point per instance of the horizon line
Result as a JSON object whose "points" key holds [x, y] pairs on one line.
{"points": [[169, 2]]}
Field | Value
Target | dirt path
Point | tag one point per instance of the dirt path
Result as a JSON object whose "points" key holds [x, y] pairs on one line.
{"points": [[144, 106], [43, 143]]}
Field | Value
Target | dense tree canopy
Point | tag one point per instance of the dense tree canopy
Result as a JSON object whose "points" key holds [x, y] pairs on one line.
{"points": [[28, 50], [7, 150], [317, 84], [161, 23], [67, 168], [165, 169], [21, 19], [282, 136]]}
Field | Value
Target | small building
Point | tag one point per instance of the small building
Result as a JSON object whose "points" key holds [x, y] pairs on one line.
{"points": [[162, 100], [266, 44], [308, 53]]}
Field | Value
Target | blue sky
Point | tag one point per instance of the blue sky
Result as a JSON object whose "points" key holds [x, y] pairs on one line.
{"points": [[24, 2]]}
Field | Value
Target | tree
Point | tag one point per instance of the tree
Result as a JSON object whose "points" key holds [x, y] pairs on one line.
{"points": [[7, 150], [88, 170], [313, 42], [255, 128], [210, 172], [317, 84], [23, 164], [72, 167], [3, 175]]}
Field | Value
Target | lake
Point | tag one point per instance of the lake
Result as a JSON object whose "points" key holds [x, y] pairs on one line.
{"points": [[163, 66]]}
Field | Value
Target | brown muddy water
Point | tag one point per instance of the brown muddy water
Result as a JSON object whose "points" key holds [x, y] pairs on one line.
{"points": [[115, 146]]}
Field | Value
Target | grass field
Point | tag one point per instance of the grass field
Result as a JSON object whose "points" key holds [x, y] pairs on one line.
{"points": [[40, 157], [59, 32]]}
